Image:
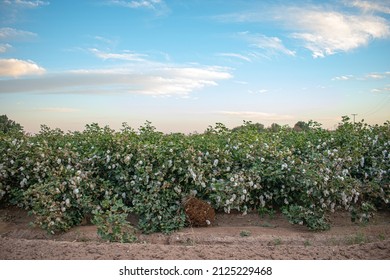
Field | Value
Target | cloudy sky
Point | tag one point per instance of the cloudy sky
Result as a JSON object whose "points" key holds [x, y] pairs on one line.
{"points": [[185, 65]]}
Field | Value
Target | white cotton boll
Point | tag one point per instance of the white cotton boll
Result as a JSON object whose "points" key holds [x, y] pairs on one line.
{"points": [[58, 161], [362, 162], [194, 192]]}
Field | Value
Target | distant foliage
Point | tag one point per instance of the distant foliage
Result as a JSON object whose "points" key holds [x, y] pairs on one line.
{"points": [[307, 174], [8, 126]]}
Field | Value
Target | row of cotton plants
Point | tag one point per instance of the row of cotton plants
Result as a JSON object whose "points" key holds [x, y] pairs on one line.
{"points": [[63, 178]]}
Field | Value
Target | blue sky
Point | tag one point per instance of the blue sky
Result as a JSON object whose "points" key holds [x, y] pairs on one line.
{"points": [[185, 65]]}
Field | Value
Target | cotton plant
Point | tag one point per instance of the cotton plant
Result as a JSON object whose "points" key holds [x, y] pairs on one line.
{"points": [[63, 177]]}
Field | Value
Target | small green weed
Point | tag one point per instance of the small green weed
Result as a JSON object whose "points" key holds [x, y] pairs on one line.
{"points": [[245, 233], [358, 238], [277, 241]]}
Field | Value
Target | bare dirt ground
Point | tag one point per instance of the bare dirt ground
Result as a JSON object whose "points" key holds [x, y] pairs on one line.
{"points": [[233, 236]]}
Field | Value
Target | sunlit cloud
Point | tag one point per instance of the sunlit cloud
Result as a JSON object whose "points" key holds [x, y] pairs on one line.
{"points": [[329, 32], [318, 28], [257, 115], [157, 81], [15, 67]]}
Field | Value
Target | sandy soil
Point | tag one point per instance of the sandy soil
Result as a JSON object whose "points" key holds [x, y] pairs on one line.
{"points": [[233, 236]]}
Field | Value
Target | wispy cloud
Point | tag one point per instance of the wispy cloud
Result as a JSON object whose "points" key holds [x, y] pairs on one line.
{"points": [[15, 67], [235, 55], [157, 80], [58, 110], [12, 34], [370, 6], [270, 45], [257, 115], [381, 90], [26, 4], [126, 55], [259, 91], [343, 78], [369, 76], [4, 47], [158, 6], [377, 76]]}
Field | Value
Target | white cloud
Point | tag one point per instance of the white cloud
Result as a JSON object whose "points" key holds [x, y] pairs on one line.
{"points": [[126, 55], [343, 78], [4, 47], [328, 32], [257, 115], [375, 76], [370, 76], [235, 55], [15, 67], [259, 91], [10, 34], [322, 29], [156, 80], [271, 45], [157, 6], [27, 4], [370, 6], [58, 109], [381, 90]]}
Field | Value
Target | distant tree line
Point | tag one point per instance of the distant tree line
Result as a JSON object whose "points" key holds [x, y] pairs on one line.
{"points": [[7, 126], [299, 126]]}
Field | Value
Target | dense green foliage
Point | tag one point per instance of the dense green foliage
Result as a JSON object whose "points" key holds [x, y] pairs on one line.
{"points": [[64, 177], [9, 126]]}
